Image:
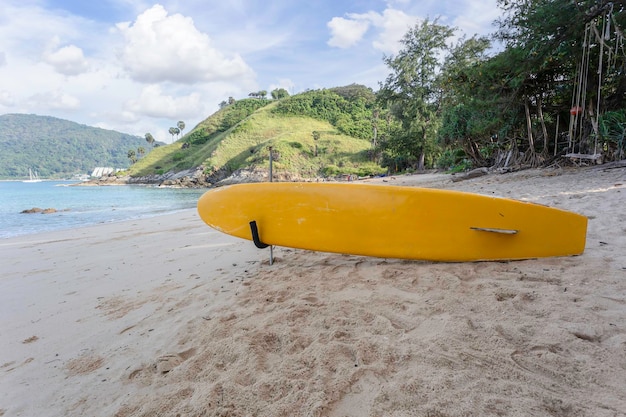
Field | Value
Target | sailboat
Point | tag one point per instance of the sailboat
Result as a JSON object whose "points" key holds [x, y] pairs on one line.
{"points": [[32, 177]]}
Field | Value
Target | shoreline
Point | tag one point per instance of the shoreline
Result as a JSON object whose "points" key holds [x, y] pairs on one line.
{"points": [[166, 316], [69, 228], [30, 209]]}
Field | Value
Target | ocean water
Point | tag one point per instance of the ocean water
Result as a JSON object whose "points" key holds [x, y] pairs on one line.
{"points": [[83, 206]]}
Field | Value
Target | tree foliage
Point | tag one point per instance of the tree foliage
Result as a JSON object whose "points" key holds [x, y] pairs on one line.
{"points": [[261, 95], [411, 92], [512, 105], [181, 126], [150, 139], [351, 116], [279, 93]]}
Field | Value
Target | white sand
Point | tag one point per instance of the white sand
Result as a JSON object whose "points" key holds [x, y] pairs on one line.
{"points": [[166, 317]]}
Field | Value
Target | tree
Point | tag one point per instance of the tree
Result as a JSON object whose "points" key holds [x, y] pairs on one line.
{"points": [[316, 137], [172, 131], [141, 151], [181, 126], [261, 95], [552, 48], [150, 139], [411, 93], [132, 156], [470, 109], [279, 93]]}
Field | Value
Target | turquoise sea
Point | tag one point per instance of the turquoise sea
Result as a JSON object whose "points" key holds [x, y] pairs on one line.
{"points": [[83, 206]]}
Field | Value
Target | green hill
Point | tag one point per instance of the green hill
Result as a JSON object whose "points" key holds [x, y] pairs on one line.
{"points": [[59, 148], [313, 134]]}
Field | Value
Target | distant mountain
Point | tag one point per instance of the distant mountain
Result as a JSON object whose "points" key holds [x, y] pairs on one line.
{"points": [[58, 148]]}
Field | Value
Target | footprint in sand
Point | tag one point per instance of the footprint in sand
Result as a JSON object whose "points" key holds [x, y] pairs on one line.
{"points": [[30, 340], [84, 365], [165, 363]]}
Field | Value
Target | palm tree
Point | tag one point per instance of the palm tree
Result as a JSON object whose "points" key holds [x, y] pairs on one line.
{"points": [[172, 132], [181, 126], [132, 156], [141, 151], [150, 139]]}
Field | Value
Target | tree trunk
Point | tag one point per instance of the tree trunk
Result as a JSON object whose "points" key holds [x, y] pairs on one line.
{"points": [[420, 165], [529, 126], [543, 125], [531, 157]]}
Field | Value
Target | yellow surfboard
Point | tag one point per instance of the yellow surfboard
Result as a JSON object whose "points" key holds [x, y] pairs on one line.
{"points": [[392, 222]]}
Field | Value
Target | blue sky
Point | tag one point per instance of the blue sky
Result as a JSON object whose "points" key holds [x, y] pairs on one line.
{"points": [[139, 66]]}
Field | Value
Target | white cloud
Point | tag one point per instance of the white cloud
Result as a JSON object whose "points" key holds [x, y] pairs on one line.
{"points": [[6, 99], [285, 83], [3, 59], [153, 103], [477, 18], [54, 100], [66, 60], [346, 32], [393, 25], [390, 27], [162, 47]]}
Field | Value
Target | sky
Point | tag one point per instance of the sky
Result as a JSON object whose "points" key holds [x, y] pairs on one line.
{"points": [[140, 66]]}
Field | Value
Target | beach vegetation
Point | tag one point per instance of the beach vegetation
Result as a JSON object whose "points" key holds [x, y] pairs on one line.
{"points": [[557, 72], [550, 82]]}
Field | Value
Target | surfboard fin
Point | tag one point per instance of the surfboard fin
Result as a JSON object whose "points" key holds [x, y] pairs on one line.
{"points": [[493, 230], [255, 236]]}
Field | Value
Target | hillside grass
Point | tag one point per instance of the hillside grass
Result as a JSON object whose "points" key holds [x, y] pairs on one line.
{"points": [[246, 145]]}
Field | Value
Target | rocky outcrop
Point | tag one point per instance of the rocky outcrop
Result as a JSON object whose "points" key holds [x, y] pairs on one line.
{"points": [[106, 180], [191, 178], [40, 210], [256, 175], [194, 178]]}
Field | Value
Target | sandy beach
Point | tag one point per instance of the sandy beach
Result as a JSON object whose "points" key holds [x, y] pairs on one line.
{"points": [[167, 317]]}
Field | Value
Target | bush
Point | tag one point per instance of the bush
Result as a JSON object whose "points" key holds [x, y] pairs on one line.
{"points": [[330, 171], [238, 111], [350, 117], [198, 137]]}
